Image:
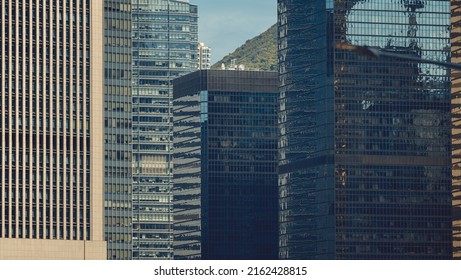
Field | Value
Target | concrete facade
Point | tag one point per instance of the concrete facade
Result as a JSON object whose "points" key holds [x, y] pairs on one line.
{"points": [[51, 127], [456, 128]]}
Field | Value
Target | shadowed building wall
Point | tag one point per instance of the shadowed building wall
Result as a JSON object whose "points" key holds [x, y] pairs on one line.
{"points": [[118, 178], [365, 146], [225, 165]]}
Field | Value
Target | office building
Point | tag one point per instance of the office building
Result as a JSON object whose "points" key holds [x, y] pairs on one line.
{"points": [[456, 131], [365, 145], [117, 137], [204, 57], [225, 165], [51, 125], [164, 47]]}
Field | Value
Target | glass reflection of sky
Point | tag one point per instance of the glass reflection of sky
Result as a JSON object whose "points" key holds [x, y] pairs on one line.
{"points": [[386, 23]]}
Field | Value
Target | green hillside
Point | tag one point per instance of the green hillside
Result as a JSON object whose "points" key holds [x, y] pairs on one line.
{"points": [[259, 53]]}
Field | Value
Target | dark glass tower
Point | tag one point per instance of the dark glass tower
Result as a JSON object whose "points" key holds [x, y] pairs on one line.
{"points": [[225, 162], [165, 43], [117, 137], [365, 147]]}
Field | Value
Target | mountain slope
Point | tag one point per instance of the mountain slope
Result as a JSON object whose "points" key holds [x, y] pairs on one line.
{"points": [[258, 53]]}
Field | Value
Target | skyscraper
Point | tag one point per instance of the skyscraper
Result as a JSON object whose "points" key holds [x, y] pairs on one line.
{"points": [[51, 183], [456, 122], [225, 165], [117, 137], [164, 47], [365, 147]]}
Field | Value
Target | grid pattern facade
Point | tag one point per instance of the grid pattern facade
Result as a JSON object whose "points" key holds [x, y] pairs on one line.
{"points": [[365, 148], [225, 165], [165, 39], [117, 138], [50, 186], [456, 122]]}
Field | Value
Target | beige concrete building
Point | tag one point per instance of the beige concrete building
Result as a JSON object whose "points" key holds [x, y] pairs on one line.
{"points": [[456, 128], [51, 129]]}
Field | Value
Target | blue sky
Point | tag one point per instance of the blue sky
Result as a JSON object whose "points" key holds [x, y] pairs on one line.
{"points": [[224, 25]]}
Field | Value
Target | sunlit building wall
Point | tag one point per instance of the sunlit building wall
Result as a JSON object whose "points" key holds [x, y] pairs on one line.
{"points": [[456, 122], [204, 57], [51, 130]]}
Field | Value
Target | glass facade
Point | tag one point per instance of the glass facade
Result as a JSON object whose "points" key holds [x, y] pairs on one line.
{"points": [[225, 165], [365, 146], [164, 41], [117, 138]]}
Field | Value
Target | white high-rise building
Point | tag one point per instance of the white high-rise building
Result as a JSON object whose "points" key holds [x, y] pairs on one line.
{"points": [[204, 56]]}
